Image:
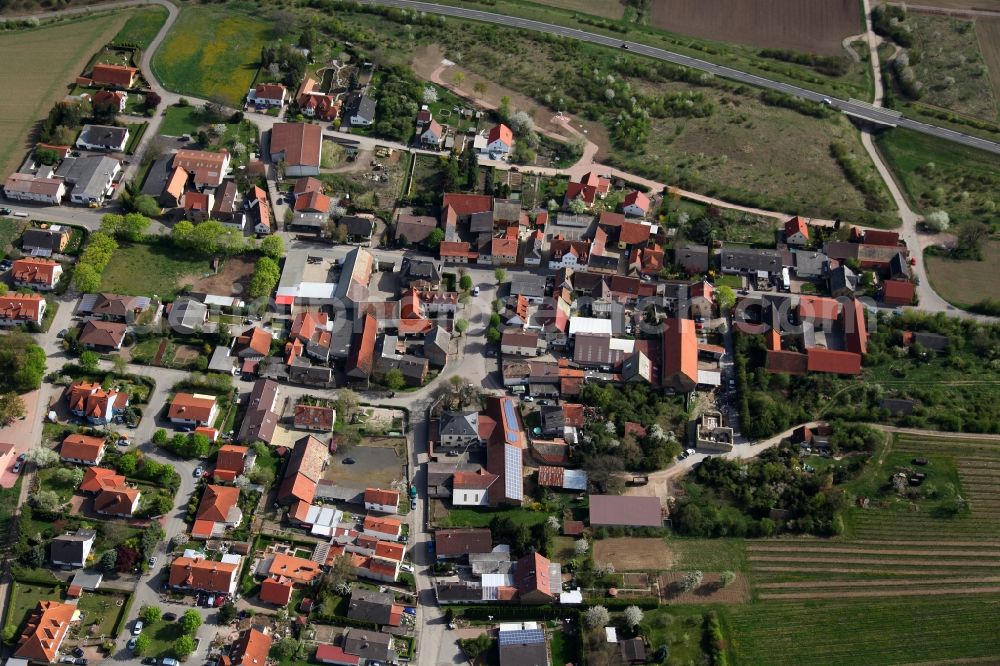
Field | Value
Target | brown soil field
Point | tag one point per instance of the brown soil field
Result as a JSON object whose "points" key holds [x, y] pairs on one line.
{"points": [[802, 584], [838, 570], [847, 594], [980, 5], [612, 9], [924, 544], [810, 26], [232, 279], [710, 592], [633, 554]]}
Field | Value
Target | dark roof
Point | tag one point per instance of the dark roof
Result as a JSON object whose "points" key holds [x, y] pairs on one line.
{"points": [[525, 284], [898, 406], [462, 541], [737, 258], [553, 419], [357, 226], [69, 547], [260, 422], [421, 269], [842, 278], [633, 650], [692, 258], [465, 424], [931, 340], [370, 606], [368, 644], [519, 654], [625, 510], [361, 106], [43, 239]]}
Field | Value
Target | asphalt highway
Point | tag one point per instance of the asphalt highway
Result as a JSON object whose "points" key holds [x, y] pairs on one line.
{"points": [[863, 111]]}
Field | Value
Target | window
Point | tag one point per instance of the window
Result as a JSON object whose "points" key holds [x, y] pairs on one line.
{"points": [[465, 497]]}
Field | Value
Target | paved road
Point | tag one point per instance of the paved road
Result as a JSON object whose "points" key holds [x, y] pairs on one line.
{"points": [[863, 111]]}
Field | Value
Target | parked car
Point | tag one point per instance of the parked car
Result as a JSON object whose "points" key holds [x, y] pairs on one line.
{"points": [[78, 651], [137, 629], [185, 428], [82, 661], [475, 290], [169, 617], [131, 643], [22, 457], [197, 472], [348, 461], [62, 334], [17, 467], [66, 659], [152, 562]]}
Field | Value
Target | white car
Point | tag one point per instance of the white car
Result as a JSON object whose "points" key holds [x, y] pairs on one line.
{"points": [[689, 452], [137, 629], [475, 291], [406, 567]]}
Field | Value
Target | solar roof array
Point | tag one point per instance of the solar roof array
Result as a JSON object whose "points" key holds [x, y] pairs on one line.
{"points": [[513, 482], [521, 637]]}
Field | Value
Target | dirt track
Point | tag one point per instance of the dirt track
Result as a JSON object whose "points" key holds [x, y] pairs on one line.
{"points": [[754, 549], [846, 560], [871, 583], [866, 570], [921, 592]]}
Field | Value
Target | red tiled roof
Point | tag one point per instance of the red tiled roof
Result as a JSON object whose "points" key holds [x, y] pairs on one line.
{"points": [[550, 476], [456, 249], [217, 502], [190, 406], [336, 655], [573, 414], [81, 447], [531, 574], [381, 496], [307, 184], [680, 354], [390, 551], [636, 198], [249, 649], [856, 328], [467, 204], [818, 308], [313, 201], [878, 237], [501, 132], [309, 416], [478, 480], [634, 233], [796, 225], [898, 292], [789, 362], [300, 142], [270, 91], [579, 190], [258, 339], [32, 270], [363, 347], [115, 75], [202, 574], [22, 307], [463, 540], [383, 525], [838, 362], [231, 458], [45, 631], [297, 569]]}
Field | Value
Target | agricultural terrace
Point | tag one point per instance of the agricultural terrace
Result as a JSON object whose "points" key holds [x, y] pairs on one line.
{"points": [[946, 58], [940, 175], [966, 282], [211, 53], [67, 48], [808, 27], [913, 579]]}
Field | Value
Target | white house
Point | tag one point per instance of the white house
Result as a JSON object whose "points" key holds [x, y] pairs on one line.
{"points": [[433, 135], [103, 137], [383, 501], [193, 409], [636, 204], [472, 488], [500, 141], [386, 529], [796, 231], [268, 94], [73, 549], [521, 343], [25, 187]]}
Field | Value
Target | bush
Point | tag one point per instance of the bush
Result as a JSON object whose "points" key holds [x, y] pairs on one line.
{"points": [[938, 220]]}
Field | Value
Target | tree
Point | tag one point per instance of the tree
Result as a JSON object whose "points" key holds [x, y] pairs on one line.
{"points": [[597, 616], [227, 612], [35, 556], [89, 360], [109, 561], [141, 645], [69, 476], [971, 235], [159, 505], [160, 437], [265, 278], [181, 233], [458, 78], [633, 616], [346, 404], [286, 648], [394, 379], [479, 87], [190, 621], [692, 580], [725, 298], [727, 578], [341, 572], [263, 476], [273, 246], [501, 275], [937, 221], [46, 156], [581, 546], [86, 278], [11, 407], [42, 457], [145, 207], [493, 336], [150, 614], [461, 326], [578, 206], [465, 282], [434, 238], [119, 365], [183, 646]]}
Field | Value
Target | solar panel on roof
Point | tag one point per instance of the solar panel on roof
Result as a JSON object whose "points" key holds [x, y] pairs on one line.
{"points": [[522, 637], [513, 482], [510, 415]]}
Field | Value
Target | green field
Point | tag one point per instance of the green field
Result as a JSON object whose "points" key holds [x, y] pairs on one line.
{"points": [[211, 53], [10, 230], [965, 282], [64, 50], [151, 269], [162, 635], [142, 27], [103, 609], [178, 120], [481, 518], [24, 597], [938, 174]]}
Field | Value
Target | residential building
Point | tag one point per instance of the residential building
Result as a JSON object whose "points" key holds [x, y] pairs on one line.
{"points": [[750, 261], [111, 100], [432, 135], [114, 307], [625, 510], [383, 501], [72, 549], [386, 529], [45, 631], [298, 146], [521, 343], [257, 211], [369, 646], [90, 401], [113, 496], [21, 309], [82, 449], [796, 231], [304, 470], [505, 450], [227, 209], [201, 575], [635, 204], [314, 417], [92, 177], [198, 206], [499, 142], [537, 579], [121, 76], [268, 94], [193, 409], [334, 654], [377, 607], [679, 365], [45, 241], [360, 110], [522, 644], [187, 316], [692, 259], [230, 462], [218, 511], [26, 187], [251, 648], [360, 363], [459, 429], [103, 137], [206, 169], [285, 567], [36, 273], [414, 229], [437, 344], [472, 488], [105, 336], [897, 293], [589, 188], [359, 229]]}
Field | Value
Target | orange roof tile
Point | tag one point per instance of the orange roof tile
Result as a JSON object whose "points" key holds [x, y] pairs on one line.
{"points": [[81, 447], [202, 574], [45, 631], [276, 591], [297, 569]]}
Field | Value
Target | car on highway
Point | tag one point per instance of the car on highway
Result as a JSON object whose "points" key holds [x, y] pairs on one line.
{"points": [[827, 101], [625, 46]]}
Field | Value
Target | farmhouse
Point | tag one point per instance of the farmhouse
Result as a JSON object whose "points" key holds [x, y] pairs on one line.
{"points": [[298, 145], [304, 470], [205, 168], [114, 75]]}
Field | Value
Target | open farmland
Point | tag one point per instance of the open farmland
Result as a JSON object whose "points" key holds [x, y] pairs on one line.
{"points": [[965, 282], [988, 32], [66, 48], [809, 27], [211, 53], [612, 9], [989, 5], [142, 27], [632, 553]]}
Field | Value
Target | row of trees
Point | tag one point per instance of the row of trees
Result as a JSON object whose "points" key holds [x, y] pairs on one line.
{"points": [[93, 261], [183, 645]]}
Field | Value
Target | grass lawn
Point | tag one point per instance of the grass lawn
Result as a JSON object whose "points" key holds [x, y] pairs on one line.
{"points": [[142, 27], [708, 554], [162, 635], [10, 230], [48, 481], [24, 597], [964, 282], [180, 120], [211, 53], [151, 269], [460, 517], [938, 174], [136, 130], [67, 47], [103, 609], [680, 628], [8, 502]]}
